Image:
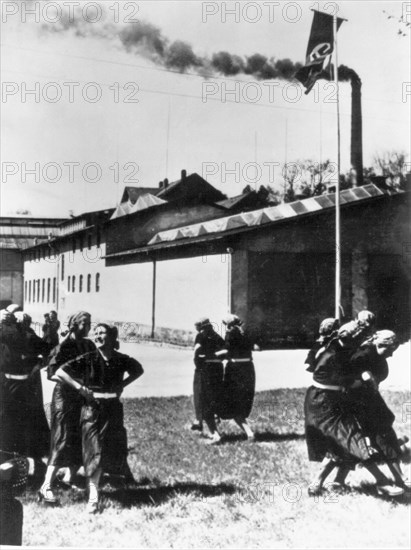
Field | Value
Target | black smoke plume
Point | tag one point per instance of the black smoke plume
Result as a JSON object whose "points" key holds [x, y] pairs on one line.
{"points": [[144, 38]]}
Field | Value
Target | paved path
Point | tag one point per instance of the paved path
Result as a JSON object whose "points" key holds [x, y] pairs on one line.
{"points": [[169, 371]]}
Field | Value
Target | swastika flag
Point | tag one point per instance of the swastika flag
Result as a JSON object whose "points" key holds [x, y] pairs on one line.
{"points": [[319, 50]]}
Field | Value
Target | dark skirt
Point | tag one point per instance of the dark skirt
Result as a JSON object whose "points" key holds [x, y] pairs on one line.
{"points": [[197, 395], [65, 439], [376, 420], [238, 390], [332, 430], [14, 416], [39, 432], [104, 437]]}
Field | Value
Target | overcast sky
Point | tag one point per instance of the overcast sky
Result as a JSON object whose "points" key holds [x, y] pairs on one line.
{"points": [[181, 120]]}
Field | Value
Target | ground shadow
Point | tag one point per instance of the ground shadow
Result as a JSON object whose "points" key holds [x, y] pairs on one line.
{"points": [[371, 490], [154, 496], [272, 436], [259, 437]]}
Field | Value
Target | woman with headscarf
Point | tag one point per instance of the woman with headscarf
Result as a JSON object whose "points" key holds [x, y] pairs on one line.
{"points": [[66, 403], [14, 387], [208, 376], [369, 366], [239, 376], [334, 435], [327, 331], [98, 376], [38, 433]]}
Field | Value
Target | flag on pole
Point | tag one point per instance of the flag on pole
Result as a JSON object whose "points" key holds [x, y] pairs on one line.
{"points": [[319, 50]]}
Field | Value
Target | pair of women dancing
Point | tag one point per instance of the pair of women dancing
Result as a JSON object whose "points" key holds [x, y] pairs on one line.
{"points": [[87, 425], [347, 422], [223, 393]]}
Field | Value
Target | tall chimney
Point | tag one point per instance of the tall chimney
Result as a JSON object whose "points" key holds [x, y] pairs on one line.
{"points": [[356, 129]]}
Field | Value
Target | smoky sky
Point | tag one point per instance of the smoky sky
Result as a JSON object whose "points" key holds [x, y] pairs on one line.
{"points": [[145, 39]]}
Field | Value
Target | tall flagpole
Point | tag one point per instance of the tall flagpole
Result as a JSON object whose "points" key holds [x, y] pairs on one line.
{"points": [[337, 187]]}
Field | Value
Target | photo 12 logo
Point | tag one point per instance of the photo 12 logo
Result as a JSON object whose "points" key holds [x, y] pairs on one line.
{"points": [[67, 12], [71, 172], [252, 12], [68, 92]]}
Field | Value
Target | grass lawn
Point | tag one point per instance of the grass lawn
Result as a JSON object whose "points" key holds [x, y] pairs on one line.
{"points": [[238, 494]]}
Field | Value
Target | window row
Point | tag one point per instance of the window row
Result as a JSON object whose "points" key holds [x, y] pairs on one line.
{"points": [[49, 250], [72, 283], [45, 290], [41, 290]]}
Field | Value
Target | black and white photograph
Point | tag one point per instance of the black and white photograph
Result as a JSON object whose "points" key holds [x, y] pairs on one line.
{"points": [[205, 259]]}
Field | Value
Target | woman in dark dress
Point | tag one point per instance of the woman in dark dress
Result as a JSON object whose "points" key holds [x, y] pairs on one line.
{"points": [[239, 375], [38, 442], [369, 364], [334, 435], [208, 377], [98, 377], [65, 441], [14, 387]]}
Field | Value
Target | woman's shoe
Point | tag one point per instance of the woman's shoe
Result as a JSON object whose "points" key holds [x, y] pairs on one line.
{"points": [[92, 507], [215, 439], [315, 489], [46, 495], [390, 490]]}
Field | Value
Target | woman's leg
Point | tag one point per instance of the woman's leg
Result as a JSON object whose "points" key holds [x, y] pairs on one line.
{"points": [[93, 482], [46, 493], [399, 477], [242, 423], [327, 466], [342, 473]]}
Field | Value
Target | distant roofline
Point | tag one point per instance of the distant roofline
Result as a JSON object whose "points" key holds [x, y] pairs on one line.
{"points": [[219, 235]]}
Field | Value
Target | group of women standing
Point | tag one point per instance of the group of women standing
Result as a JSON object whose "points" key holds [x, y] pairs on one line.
{"points": [[86, 424], [223, 392], [347, 421], [24, 429]]}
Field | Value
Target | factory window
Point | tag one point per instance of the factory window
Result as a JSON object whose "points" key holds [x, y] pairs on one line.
{"points": [[98, 237], [38, 290], [43, 289], [54, 289], [73, 283], [62, 267], [89, 241], [73, 244], [48, 290], [25, 291], [29, 291], [97, 282], [68, 283], [81, 242], [89, 283], [80, 283]]}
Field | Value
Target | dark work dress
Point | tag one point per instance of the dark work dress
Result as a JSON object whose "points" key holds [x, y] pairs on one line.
{"points": [[14, 391], [369, 406], [38, 429], [104, 437], [331, 427], [208, 375], [66, 403], [239, 376]]}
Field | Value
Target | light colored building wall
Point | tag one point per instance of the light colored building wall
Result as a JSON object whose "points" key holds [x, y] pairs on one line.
{"points": [[186, 289], [191, 288]]}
